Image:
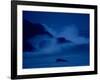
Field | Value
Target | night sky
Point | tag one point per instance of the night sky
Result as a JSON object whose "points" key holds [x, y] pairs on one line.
{"points": [[62, 39]]}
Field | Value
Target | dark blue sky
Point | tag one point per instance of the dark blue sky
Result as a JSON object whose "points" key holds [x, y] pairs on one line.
{"points": [[59, 21], [42, 50]]}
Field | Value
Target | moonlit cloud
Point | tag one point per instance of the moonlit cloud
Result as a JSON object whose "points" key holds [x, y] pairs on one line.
{"points": [[72, 33]]}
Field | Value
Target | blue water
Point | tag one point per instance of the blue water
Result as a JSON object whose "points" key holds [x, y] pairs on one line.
{"points": [[73, 58], [55, 39]]}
